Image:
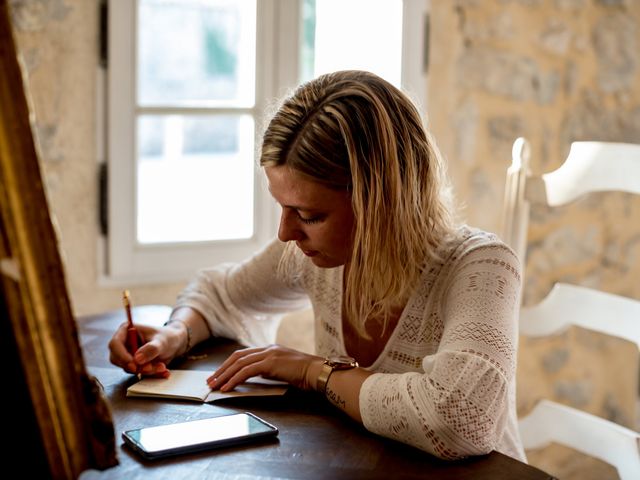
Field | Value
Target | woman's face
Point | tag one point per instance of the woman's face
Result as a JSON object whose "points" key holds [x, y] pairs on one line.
{"points": [[320, 220]]}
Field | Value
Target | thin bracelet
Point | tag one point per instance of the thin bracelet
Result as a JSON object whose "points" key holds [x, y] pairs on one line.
{"points": [[189, 332]]}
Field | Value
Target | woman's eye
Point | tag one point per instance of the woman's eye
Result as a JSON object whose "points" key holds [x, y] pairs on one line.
{"points": [[310, 220]]}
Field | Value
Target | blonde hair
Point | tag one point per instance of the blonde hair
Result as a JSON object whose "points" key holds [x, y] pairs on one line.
{"points": [[352, 130]]}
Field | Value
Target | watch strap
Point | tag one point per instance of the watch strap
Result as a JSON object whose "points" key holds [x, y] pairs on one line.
{"points": [[323, 378], [328, 367]]}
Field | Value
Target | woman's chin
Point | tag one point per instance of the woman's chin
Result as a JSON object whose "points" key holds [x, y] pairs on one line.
{"points": [[323, 262]]}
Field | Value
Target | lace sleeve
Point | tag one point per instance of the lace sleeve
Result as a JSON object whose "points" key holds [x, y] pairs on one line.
{"points": [[245, 301], [459, 405]]}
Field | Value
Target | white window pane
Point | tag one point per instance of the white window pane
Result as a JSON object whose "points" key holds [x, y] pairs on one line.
{"points": [[307, 40], [195, 52], [195, 178], [359, 34]]}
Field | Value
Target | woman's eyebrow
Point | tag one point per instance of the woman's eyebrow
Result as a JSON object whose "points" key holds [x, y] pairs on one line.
{"points": [[300, 209], [293, 207]]}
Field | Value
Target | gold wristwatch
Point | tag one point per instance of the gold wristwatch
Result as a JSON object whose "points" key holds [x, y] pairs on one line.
{"points": [[331, 364]]}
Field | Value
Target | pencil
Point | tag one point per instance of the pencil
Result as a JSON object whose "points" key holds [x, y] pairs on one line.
{"points": [[127, 306], [133, 340]]}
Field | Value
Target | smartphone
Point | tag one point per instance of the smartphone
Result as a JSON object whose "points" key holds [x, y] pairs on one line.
{"points": [[196, 435]]}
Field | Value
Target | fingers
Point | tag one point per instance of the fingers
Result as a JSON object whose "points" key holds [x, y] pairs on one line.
{"points": [[274, 362], [239, 367], [147, 363], [252, 370], [146, 353], [129, 367], [145, 359], [154, 369], [165, 374], [235, 357], [118, 354]]}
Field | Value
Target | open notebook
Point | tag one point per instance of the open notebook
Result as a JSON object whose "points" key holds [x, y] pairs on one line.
{"points": [[192, 385]]}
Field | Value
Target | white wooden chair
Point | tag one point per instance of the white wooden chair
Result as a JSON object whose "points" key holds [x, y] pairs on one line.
{"points": [[607, 441], [590, 167]]}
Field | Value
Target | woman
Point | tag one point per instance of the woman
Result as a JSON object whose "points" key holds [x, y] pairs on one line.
{"points": [[426, 308]]}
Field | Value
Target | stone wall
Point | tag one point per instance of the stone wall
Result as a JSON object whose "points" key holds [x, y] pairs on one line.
{"points": [[553, 71], [58, 40]]}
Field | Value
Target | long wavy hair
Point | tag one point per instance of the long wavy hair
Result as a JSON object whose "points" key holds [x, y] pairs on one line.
{"points": [[352, 130]]}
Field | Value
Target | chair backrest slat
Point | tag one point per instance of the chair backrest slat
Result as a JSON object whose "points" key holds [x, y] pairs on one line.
{"points": [[551, 422], [594, 167], [568, 305]]}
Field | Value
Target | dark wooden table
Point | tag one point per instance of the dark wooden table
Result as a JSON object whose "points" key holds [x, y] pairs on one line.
{"points": [[316, 441]]}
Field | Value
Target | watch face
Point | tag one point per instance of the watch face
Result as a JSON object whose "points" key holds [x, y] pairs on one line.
{"points": [[342, 361]]}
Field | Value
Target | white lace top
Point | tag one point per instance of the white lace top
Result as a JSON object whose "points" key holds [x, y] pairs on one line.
{"points": [[445, 381]]}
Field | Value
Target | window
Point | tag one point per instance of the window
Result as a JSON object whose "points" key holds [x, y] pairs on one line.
{"points": [[386, 37], [195, 67], [189, 84]]}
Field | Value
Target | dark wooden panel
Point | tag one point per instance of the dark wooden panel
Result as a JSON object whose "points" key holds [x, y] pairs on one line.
{"points": [[71, 427]]}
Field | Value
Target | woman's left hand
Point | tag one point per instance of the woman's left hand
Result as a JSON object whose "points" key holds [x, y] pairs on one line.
{"points": [[274, 362]]}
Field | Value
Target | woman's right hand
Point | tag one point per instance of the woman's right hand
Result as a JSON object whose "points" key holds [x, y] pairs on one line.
{"points": [[160, 346]]}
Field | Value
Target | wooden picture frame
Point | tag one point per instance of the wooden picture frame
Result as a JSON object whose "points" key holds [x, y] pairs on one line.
{"points": [[64, 423]]}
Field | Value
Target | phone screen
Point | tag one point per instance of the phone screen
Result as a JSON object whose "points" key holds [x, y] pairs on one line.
{"points": [[195, 435]]}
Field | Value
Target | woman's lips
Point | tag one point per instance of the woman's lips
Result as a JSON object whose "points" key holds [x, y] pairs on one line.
{"points": [[308, 253]]}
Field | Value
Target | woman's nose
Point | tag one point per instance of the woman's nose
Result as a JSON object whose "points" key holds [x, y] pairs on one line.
{"points": [[289, 229]]}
